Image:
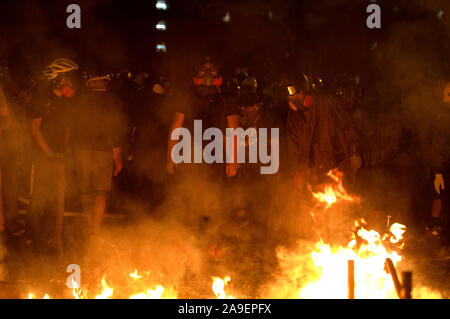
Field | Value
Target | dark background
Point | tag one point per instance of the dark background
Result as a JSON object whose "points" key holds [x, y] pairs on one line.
{"points": [[272, 37]]}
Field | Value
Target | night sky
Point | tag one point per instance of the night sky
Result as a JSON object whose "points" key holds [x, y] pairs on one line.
{"points": [[325, 37]]}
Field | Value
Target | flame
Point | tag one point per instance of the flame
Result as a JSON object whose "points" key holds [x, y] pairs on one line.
{"points": [[321, 271], [314, 270], [77, 293], [135, 275], [397, 231], [366, 249], [218, 287], [334, 192], [31, 296], [107, 292], [150, 294]]}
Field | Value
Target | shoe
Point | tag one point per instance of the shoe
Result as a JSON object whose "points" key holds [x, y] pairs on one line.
{"points": [[435, 231]]}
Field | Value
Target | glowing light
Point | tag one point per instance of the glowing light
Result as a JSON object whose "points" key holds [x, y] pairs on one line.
{"points": [[226, 18], [161, 47], [161, 25], [218, 287], [161, 5], [107, 292], [135, 275]]}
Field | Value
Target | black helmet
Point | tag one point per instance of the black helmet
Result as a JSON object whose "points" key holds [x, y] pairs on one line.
{"points": [[345, 85], [296, 85]]}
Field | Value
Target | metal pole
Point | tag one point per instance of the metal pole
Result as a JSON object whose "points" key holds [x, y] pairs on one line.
{"points": [[391, 269], [351, 279], [407, 284]]}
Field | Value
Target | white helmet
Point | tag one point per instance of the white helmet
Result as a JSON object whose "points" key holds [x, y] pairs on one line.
{"points": [[59, 66]]}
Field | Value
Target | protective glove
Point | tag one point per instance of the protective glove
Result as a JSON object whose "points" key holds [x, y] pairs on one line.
{"points": [[355, 163], [439, 183], [231, 169]]}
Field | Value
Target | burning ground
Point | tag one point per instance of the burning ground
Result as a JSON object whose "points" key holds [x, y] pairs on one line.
{"points": [[157, 257]]}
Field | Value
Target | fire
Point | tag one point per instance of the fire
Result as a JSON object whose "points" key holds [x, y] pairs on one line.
{"points": [[314, 270], [150, 294], [366, 249], [334, 192], [77, 293], [218, 287], [107, 292], [397, 231], [320, 270], [135, 275], [31, 296]]}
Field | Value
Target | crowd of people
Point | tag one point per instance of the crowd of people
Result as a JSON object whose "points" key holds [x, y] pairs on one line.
{"points": [[101, 123]]}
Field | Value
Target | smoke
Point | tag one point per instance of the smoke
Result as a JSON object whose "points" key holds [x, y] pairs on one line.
{"points": [[166, 252]]}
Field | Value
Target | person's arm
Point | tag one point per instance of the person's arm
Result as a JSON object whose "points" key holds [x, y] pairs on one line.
{"points": [[119, 135], [118, 160], [233, 123], [39, 138], [177, 122]]}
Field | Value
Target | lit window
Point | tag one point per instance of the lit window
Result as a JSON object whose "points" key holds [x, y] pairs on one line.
{"points": [[161, 5], [161, 47], [161, 25], [226, 18]]}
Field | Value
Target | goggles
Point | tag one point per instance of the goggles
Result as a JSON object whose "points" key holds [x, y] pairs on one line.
{"points": [[208, 76]]}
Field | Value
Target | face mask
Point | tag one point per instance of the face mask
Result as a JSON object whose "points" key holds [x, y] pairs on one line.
{"points": [[208, 76], [206, 90], [302, 105], [68, 91]]}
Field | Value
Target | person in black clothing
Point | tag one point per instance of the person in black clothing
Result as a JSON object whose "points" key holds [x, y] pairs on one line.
{"points": [[97, 134], [252, 185], [207, 103], [438, 162], [50, 126]]}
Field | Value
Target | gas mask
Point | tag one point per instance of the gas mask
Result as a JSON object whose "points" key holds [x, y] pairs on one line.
{"points": [[207, 79], [298, 101], [63, 87]]}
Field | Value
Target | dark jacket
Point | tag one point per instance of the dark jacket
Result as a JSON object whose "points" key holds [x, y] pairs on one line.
{"points": [[322, 136]]}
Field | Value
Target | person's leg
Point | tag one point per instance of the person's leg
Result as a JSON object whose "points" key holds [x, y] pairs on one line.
{"points": [[99, 211], [39, 196], [88, 201], [10, 195], [83, 169], [60, 186], [102, 169]]}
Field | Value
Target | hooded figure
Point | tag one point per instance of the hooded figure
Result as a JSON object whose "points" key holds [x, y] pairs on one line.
{"points": [[321, 135]]}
